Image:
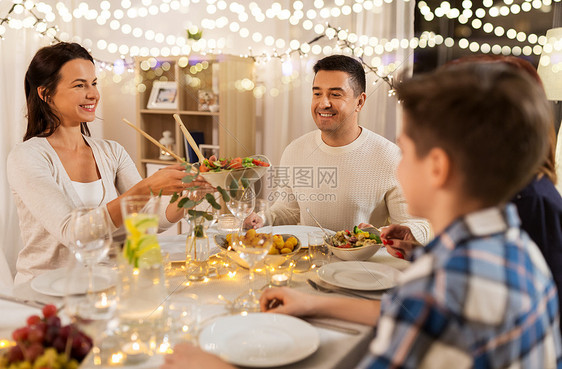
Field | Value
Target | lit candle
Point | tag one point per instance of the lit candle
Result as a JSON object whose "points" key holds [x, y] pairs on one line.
{"points": [[279, 280], [135, 351], [103, 303]]}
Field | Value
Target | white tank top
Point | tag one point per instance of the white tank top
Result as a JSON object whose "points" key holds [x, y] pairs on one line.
{"points": [[90, 193]]}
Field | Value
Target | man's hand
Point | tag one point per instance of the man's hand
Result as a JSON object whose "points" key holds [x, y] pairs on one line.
{"points": [[253, 221]]}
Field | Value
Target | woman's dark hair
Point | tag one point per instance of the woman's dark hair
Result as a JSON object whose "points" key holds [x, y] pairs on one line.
{"points": [[343, 63], [44, 71]]}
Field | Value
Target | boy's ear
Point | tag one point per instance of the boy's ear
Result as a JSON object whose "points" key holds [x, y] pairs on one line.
{"points": [[439, 167]]}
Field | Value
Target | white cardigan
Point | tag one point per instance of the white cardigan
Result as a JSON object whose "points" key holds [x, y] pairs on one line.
{"points": [[44, 197]]}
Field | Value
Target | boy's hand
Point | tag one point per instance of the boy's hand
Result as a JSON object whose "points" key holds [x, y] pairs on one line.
{"points": [[399, 240], [286, 301], [190, 357]]}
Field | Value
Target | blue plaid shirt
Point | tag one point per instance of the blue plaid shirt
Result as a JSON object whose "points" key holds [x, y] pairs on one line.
{"points": [[478, 296]]}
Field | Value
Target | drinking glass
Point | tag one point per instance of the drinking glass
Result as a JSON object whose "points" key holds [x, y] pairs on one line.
{"points": [[142, 286], [91, 236], [253, 246], [318, 250], [242, 199], [90, 303], [183, 316]]}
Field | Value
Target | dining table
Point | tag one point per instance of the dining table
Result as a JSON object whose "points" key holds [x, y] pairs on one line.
{"points": [[341, 344]]}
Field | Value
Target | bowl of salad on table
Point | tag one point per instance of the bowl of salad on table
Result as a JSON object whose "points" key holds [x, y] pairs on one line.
{"points": [[352, 245]]}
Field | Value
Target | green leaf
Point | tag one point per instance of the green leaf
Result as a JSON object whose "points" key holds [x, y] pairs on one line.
{"points": [[175, 197], [188, 178], [223, 193], [233, 187], [245, 182], [208, 216], [211, 200], [186, 203]]}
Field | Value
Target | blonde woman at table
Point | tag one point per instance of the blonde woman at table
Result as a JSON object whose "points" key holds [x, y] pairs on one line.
{"points": [[480, 295], [59, 167]]}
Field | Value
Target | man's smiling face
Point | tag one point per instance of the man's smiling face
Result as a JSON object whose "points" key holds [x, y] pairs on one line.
{"points": [[334, 104]]}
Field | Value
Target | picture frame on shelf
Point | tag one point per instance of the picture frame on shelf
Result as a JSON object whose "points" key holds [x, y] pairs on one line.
{"points": [[209, 150], [164, 95], [207, 101]]}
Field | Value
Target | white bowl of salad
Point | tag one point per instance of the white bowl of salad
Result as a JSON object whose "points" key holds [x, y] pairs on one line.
{"points": [[354, 245], [217, 172]]}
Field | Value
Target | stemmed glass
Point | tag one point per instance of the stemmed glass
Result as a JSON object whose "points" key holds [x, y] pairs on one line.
{"points": [[91, 311], [242, 199], [91, 237], [252, 246]]}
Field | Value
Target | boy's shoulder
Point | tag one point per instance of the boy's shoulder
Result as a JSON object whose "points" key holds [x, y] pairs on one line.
{"points": [[484, 279]]}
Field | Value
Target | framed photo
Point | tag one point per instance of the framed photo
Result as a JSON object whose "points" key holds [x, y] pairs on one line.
{"points": [[208, 150], [208, 101], [164, 95]]}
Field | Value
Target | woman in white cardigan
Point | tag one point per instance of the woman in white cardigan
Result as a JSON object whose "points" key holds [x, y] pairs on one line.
{"points": [[59, 167]]}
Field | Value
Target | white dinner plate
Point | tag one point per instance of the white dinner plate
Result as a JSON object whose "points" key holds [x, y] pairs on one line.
{"points": [[259, 340], [359, 275], [301, 231], [53, 282]]}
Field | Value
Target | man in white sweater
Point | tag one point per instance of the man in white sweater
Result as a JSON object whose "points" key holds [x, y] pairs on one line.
{"points": [[343, 173]]}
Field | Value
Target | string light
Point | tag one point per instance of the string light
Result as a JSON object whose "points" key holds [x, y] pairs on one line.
{"points": [[41, 16]]}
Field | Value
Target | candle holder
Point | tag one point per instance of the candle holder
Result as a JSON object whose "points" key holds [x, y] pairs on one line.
{"points": [[280, 275]]}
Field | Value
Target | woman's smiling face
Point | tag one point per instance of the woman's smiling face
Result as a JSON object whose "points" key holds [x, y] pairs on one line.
{"points": [[76, 96]]}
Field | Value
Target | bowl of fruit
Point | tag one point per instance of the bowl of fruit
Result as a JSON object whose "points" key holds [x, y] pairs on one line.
{"points": [[45, 343], [354, 245], [284, 247], [217, 172]]}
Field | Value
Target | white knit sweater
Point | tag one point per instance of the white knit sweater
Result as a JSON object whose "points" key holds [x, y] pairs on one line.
{"points": [[342, 186]]}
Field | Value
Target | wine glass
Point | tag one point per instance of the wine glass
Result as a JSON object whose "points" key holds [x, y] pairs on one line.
{"points": [[242, 199], [252, 246], [90, 301], [91, 236]]}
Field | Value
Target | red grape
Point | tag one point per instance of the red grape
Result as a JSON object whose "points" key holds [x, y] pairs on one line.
{"points": [[53, 321], [49, 310], [34, 319], [36, 334], [15, 354], [20, 334], [33, 352]]}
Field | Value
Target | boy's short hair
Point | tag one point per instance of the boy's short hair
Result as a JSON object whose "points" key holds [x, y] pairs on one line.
{"points": [[347, 64], [491, 119]]}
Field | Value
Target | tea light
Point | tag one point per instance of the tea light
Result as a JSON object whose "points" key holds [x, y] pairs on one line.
{"points": [[135, 351], [103, 303], [279, 280]]}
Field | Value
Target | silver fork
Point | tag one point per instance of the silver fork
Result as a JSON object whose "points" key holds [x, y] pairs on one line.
{"points": [[324, 289]]}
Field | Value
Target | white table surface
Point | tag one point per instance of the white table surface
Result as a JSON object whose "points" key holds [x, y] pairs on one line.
{"points": [[337, 350]]}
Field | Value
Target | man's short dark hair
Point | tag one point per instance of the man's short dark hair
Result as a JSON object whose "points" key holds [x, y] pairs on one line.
{"points": [[491, 119], [347, 64]]}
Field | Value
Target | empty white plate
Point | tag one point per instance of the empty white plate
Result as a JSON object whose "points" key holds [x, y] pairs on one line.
{"points": [[53, 282], [359, 275], [259, 340]]}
